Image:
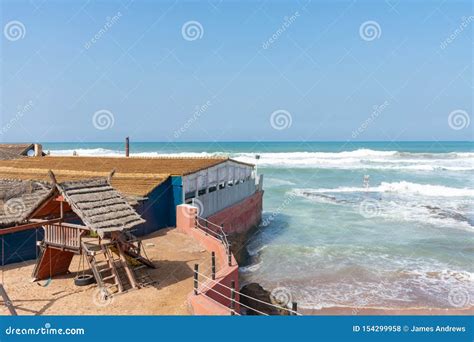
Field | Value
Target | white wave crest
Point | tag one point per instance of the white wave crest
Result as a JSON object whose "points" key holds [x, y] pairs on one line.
{"points": [[365, 159], [358, 159], [403, 187]]}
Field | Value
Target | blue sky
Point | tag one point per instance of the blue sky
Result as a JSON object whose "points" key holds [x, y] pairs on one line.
{"points": [[321, 71]]}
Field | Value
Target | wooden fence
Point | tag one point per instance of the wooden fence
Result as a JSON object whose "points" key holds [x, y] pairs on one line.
{"points": [[62, 236]]}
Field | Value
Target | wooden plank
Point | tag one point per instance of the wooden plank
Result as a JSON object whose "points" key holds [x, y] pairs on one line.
{"points": [[27, 226], [140, 258], [131, 276]]}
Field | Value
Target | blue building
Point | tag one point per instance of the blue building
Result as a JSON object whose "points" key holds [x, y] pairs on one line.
{"points": [[153, 186]]}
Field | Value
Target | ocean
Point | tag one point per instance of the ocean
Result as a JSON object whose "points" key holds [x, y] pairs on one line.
{"points": [[376, 224]]}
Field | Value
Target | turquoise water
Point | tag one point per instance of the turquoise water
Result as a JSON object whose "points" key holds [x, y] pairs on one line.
{"points": [[353, 224]]}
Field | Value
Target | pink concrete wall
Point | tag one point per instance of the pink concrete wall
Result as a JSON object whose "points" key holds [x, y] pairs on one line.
{"points": [[241, 216], [207, 301]]}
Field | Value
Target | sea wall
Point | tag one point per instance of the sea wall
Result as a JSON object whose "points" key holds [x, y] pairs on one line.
{"points": [[241, 216], [213, 296]]}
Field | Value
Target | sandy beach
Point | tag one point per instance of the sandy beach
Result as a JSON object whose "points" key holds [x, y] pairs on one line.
{"points": [[174, 255]]}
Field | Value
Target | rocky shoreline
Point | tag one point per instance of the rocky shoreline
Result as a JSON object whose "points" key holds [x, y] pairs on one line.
{"points": [[238, 247]]}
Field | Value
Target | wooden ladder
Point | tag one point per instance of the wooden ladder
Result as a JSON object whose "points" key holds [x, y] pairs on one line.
{"points": [[105, 271]]}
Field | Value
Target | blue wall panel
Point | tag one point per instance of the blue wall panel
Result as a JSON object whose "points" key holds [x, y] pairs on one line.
{"points": [[159, 211], [177, 183], [19, 246]]}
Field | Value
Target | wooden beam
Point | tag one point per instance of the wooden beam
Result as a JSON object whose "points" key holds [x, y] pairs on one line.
{"points": [[129, 272], [7, 301], [28, 226], [72, 225]]}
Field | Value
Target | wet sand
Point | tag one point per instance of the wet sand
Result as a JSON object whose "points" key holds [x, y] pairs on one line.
{"points": [[173, 253]]}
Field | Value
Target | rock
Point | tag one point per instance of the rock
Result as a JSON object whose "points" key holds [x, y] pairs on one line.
{"points": [[255, 290], [239, 243]]}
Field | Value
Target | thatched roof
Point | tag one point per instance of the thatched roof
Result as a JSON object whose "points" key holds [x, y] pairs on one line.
{"points": [[159, 165], [132, 184], [99, 205], [14, 151], [20, 199], [134, 176], [94, 201]]}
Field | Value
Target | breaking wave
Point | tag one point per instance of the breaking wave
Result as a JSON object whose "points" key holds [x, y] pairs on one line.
{"points": [[365, 159], [437, 205], [358, 159], [403, 188], [102, 152]]}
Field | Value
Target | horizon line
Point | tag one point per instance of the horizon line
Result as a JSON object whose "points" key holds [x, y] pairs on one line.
{"points": [[240, 141]]}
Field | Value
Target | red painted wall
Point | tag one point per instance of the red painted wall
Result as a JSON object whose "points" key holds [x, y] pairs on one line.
{"points": [[208, 301], [241, 216]]}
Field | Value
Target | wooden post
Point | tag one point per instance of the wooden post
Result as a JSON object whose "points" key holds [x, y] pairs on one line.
{"points": [[196, 283], [124, 262], [127, 147], [213, 265], [7, 302], [294, 308], [229, 255], [232, 298]]}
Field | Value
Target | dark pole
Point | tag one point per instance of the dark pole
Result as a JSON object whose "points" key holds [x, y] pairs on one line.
{"points": [[127, 147], [294, 308], [229, 255], [213, 267], [196, 271], [232, 298]]}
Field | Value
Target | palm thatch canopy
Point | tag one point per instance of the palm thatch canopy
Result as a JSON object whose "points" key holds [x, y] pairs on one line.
{"points": [[19, 199], [99, 205]]}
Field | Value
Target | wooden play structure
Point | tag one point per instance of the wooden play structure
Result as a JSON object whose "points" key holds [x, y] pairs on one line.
{"points": [[85, 217]]}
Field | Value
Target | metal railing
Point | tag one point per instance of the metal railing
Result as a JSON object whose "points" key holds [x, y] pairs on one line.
{"points": [[219, 234], [232, 299]]}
